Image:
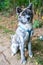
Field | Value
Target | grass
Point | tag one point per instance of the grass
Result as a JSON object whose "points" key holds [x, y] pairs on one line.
{"points": [[6, 30], [12, 22], [38, 51], [0, 19], [39, 59]]}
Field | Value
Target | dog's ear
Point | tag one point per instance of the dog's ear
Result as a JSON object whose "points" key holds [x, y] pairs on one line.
{"points": [[18, 10], [30, 6]]}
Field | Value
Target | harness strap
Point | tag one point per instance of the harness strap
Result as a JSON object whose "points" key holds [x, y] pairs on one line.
{"points": [[29, 31]]}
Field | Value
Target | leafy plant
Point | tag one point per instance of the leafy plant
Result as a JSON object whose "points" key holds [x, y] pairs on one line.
{"points": [[37, 24], [5, 4], [8, 5]]}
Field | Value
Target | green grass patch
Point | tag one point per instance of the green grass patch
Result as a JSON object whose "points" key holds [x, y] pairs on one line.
{"points": [[0, 19], [39, 59], [37, 47], [2, 27], [6, 30], [12, 22]]}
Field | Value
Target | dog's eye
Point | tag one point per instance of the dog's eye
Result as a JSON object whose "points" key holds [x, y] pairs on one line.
{"points": [[23, 13]]}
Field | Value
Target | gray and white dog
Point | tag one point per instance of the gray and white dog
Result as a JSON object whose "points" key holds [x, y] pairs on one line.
{"points": [[23, 32]]}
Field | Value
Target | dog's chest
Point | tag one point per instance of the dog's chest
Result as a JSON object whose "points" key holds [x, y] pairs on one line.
{"points": [[26, 26], [22, 33], [26, 36]]}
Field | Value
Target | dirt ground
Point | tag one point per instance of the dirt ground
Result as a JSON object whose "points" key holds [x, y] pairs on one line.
{"points": [[7, 27]]}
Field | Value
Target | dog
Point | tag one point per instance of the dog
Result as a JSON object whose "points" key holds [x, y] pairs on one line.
{"points": [[23, 33]]}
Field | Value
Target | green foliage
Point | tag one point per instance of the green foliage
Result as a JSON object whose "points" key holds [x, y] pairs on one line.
{"points": [[37, 5], [37, 24], [21, 2], [7, 4]]}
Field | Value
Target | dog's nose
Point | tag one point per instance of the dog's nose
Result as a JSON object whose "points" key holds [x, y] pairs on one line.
{"points": [[28, 18]]}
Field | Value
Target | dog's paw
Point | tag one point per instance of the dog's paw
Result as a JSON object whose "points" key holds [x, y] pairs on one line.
{"points": [[31, 55], [23, 62], [12, 54]]}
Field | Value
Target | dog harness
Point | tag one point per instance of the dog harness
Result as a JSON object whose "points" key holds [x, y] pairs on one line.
{"points": [[29, 31]]}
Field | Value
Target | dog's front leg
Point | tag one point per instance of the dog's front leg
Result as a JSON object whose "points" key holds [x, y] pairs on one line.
{"points": [[30, 49], [22, 51]]}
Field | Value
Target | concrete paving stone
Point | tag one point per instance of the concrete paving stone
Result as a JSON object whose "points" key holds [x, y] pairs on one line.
{"points": [[2, 48], [14, 61], [7, 53], [4, 43], [3, 60]]}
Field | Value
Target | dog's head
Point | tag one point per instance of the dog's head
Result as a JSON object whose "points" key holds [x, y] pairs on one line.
{"points": [[25, 15]]}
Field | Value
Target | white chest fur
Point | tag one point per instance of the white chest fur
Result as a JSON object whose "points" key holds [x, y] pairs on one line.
{"points": [[27, 26]]}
